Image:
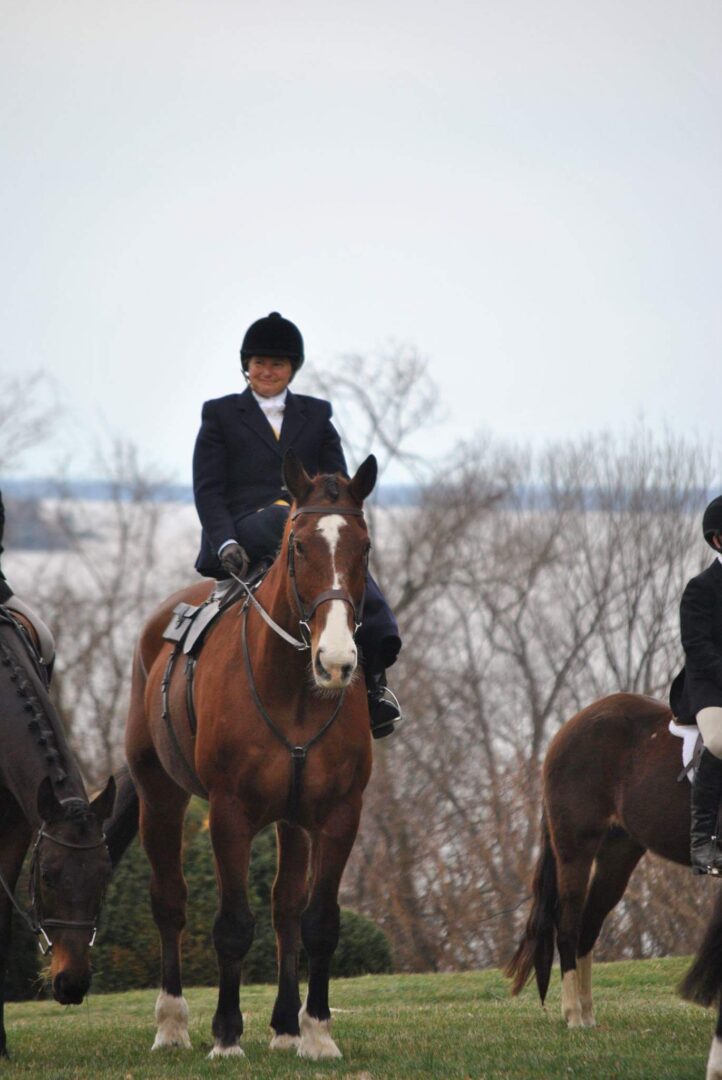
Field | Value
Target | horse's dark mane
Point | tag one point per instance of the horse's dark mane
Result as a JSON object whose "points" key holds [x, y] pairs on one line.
{"points": [[38, 718]]}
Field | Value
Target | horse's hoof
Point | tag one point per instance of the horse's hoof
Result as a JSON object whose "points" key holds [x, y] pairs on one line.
{"points": [[219, 1051], [171, 1014], [588, 1021], [316, 1042], [285, 1042]]}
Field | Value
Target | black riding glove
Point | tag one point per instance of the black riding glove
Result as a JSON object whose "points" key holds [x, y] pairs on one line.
{"points": [[234, 560]]}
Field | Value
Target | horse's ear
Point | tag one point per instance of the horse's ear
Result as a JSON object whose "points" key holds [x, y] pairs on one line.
{"points": [[362, 484], [295, 476], [102, 805], [48, 806]]}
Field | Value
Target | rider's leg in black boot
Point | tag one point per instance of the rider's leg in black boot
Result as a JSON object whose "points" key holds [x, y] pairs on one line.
{"points": [[383, 709], [706, 852]]}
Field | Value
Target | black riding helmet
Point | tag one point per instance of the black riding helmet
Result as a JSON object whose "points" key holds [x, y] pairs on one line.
{"points": [[712, 520], [273, 336]]}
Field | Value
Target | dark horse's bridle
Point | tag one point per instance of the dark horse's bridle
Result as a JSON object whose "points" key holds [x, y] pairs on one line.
{"points": [[299, 753], [34, 917]]}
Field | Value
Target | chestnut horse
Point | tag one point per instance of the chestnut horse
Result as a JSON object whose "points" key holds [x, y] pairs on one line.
{"points": [[42, 792], [272, 708], [610, 793]]}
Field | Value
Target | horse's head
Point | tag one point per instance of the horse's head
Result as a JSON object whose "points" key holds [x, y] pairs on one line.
{"points": [[328, 546], [69, 872]]}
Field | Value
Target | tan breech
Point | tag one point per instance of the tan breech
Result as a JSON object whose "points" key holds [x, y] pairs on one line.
{"points": [[709, 722]]}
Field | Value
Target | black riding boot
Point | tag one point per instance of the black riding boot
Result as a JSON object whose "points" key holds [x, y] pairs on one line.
{"points": [[383, 711], [706, 855]]}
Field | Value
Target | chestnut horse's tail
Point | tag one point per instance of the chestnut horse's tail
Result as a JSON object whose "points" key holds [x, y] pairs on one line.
{"points": [[536, 948], [122, 826], [703, 981]]}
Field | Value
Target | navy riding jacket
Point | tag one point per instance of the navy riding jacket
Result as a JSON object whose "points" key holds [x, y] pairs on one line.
{"points": [[237, 461], [699, 684]]}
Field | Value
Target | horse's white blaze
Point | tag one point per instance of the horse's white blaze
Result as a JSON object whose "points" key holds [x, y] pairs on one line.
{"points": [[219, 1051], [316, 1041], [171, 1016], [285, 1042], [584, 982], [336, 643], [714, 1061], [571, 1007]]}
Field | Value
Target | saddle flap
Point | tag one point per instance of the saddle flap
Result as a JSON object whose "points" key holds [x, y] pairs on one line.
{"points": [[180, 622]]}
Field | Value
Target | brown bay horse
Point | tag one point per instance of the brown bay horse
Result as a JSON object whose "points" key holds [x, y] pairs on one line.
{"points": [[42, 793], [610, 793], [264, 716]]}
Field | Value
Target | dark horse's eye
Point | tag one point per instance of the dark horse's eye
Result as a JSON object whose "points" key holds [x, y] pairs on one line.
{"points": [[300, 550], [48, 876]]}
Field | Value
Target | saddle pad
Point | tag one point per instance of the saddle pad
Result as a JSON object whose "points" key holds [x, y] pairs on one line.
{"points": [[689, 734]]}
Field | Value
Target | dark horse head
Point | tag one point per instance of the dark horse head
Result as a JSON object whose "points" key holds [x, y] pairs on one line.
{"points": [[327, 548], [69, 871]]}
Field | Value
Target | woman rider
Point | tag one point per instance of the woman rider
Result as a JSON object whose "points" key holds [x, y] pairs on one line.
{"points": [[9, 600], [696, 694], [238, 487]]}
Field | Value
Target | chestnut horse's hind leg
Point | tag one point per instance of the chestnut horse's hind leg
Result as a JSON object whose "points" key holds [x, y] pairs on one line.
{"points": [[613, 866], [320, 923], [289, 900], [234, 924], [161, 830], [574, 863]]}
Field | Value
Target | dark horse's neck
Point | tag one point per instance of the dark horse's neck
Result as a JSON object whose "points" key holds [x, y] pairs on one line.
{"points": [[33, 741]]}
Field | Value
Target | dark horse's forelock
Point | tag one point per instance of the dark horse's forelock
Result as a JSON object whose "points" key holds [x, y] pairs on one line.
{"points": [[331, 488]]}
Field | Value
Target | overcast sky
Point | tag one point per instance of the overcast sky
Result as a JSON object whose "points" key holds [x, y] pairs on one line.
{"points": [[528, 193]]}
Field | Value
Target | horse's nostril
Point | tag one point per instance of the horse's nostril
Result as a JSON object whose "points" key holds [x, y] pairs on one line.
{"points": [[346, 671]]}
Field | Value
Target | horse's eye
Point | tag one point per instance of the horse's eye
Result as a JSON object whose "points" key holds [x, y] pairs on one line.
{"points": [[300, 549], [48, 876]]}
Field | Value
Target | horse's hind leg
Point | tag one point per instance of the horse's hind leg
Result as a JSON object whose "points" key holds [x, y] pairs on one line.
{"points": [[161, 830], [320, 922], [289, 900], [575, 855], [234, 924], [613, 866]]}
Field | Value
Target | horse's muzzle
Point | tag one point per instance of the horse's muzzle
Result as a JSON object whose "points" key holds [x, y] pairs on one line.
{"points": [[70, 990], [331, 673]]}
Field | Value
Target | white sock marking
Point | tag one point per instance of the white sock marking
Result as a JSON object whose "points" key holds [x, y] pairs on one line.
{"points": [[714, 1061], [316, 1041], [171, 1015]]}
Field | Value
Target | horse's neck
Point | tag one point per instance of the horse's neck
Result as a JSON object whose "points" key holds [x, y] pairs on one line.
{"points": [[33, 741], [278, 655]]}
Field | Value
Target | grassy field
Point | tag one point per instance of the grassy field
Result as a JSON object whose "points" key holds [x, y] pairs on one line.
{"points": [[455, 1026]]}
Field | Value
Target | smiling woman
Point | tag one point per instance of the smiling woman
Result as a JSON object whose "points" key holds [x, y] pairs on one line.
{"points": [[240, 497]]}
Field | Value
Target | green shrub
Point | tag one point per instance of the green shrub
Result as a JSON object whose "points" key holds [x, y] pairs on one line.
{"points": [[127, 955]]}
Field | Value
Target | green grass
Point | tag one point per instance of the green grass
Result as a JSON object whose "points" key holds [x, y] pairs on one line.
{"points": [[451, 1026]]}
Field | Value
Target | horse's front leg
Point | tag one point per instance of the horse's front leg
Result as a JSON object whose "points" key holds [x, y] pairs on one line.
{"points": [[161, 830], [289, 900], [11, 860], [331, 846], [234, 924]]}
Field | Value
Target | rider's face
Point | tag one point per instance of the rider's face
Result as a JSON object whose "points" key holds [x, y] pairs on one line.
{"points": [[269, 375]]}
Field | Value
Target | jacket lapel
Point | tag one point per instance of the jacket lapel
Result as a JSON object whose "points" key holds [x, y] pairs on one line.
{"points": [[294, 417], [252, 415]]}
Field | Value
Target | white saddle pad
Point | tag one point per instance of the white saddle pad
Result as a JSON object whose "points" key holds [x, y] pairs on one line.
{"points": [[688, 733]]}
